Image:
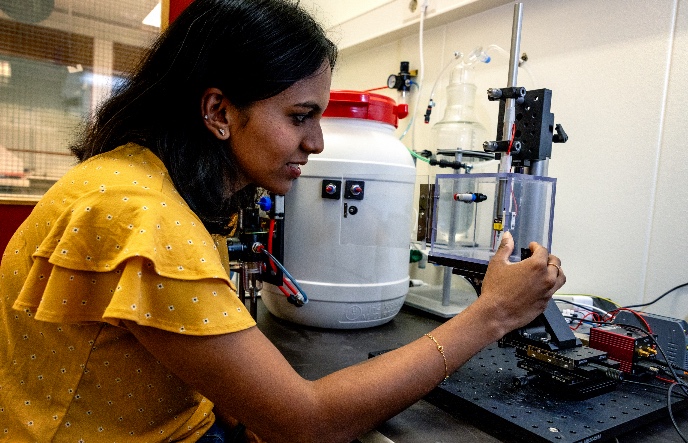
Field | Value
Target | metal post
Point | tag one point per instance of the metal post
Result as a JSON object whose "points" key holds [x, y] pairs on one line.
{"points": [[509, 117], [510, 103]]}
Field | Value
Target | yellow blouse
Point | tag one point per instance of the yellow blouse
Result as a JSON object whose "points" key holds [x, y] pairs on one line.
{"points": [[110, 241]]}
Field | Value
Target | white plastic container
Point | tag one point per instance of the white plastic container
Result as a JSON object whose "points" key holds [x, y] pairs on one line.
{"points": [[348, 219]]}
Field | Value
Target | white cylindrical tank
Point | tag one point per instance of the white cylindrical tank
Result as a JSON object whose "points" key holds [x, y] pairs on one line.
{"points": [[348, 219]]}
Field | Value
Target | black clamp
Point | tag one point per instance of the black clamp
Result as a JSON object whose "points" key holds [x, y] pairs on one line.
{"points": [[448, 164], [502, 146], [560, 136], [432, 161], [533, 132], [515, 92]]}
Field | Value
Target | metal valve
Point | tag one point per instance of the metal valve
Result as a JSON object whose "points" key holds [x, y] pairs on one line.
{"points": [[331, 188]]}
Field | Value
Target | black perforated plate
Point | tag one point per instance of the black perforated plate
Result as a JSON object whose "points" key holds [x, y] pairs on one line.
{"points": [[483, 391]]}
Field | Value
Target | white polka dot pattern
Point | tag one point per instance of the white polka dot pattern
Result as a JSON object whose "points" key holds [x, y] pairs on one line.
{"points": [[111, 241]]}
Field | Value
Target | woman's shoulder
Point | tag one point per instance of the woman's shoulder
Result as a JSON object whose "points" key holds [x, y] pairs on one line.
{"points": [[128, 168], [127, 164]]}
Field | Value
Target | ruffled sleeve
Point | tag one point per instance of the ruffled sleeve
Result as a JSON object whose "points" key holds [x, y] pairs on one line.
{"points": [[131, 253], [97, 234], [133, 292]]}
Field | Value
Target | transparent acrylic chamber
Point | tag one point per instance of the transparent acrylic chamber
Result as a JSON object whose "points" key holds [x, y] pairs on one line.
{"points": [[471, 231]]}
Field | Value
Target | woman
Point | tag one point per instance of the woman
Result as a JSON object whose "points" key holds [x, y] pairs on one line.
{"points": [[119, 323]]}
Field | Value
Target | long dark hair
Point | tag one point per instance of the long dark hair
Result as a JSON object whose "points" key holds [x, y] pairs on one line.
{"points": [[250, 50]]}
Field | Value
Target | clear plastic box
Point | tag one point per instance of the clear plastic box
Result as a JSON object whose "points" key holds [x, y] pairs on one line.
{"points": [[471, 231]]}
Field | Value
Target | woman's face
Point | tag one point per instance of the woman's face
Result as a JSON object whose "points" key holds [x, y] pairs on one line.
{"points": [[274, 137]]}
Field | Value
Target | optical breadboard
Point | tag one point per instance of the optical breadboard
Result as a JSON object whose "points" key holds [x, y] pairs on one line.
{"points": [[484, 389], [483, 392]]}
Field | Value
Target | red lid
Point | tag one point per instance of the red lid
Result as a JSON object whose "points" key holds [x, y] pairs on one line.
{"points": [[365, 105]]}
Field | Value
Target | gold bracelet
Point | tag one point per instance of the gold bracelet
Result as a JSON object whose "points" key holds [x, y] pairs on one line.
{"points": [[440, 348]]}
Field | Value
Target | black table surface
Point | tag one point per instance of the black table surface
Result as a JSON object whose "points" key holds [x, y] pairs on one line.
{"points": [[316, 352]]}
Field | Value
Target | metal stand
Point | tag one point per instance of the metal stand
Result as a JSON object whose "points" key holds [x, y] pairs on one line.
{"points": [[249, 286], [452, 301]]}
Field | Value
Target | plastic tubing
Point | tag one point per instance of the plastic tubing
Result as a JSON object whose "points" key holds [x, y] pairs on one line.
{"points": [[457, 56], [521, 65], [421, 71], [289, 276], [421, 75], [477, 55]]}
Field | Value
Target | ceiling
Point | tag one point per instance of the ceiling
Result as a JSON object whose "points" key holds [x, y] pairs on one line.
{"points": [[122, 13], [335, 12], [127, 13], [130, 13], [106, 18]]}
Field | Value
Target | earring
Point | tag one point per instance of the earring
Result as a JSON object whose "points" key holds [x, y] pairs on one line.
{"points": [[222, 132]]}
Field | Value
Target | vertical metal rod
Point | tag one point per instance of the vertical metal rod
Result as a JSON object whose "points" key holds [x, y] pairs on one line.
{"points": [[253, 302], [515, 44], [242, 287], [539, 167], [446, 286], [451, 244], [510, 103], [509, 119]]}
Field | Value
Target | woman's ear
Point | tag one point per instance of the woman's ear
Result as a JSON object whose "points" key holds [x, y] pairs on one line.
{"points": [[214, 109]]}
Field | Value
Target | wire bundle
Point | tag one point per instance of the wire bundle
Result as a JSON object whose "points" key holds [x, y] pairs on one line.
{"points": [[668, 369], [297, 296]]}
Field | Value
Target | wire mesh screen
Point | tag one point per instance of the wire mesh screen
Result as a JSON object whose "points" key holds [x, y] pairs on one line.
{"points": [[58, 60]]}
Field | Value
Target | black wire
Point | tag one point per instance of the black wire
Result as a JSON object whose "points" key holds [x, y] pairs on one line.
{"points": [[679, 367], [674, 365], [678, 380], [670, 365], [671, 386], [666, 359], [650, 385], [671, 414], [669, 403], [658, 298]]}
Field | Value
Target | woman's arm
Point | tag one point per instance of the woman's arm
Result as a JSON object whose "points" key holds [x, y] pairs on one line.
{"points": [[247, 377]]}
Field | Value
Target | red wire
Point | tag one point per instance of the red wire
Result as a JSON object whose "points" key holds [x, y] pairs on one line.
{"points": [[271, 232], [284, 291], [511, 142], [640, 317], [664, 379], [513, 136], [508, 152], [513, 198], [289, 285], [376, 89], [580, 320]]}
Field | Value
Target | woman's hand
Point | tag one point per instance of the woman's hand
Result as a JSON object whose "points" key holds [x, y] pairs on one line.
{"points": [[516, 293]]}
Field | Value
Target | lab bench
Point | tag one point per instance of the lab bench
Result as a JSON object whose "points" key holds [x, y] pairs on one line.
{"points": [[315, 352]]}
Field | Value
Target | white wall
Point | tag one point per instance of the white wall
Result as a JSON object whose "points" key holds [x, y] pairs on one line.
{"points": [[618, 70]]}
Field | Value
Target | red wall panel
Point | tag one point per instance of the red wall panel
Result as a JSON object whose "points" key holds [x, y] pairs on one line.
{"points": [[176, 8], [11, 216]]}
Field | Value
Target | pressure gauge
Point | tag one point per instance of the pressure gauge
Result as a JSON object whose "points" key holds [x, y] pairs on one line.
{"points": [[392, 81]]}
